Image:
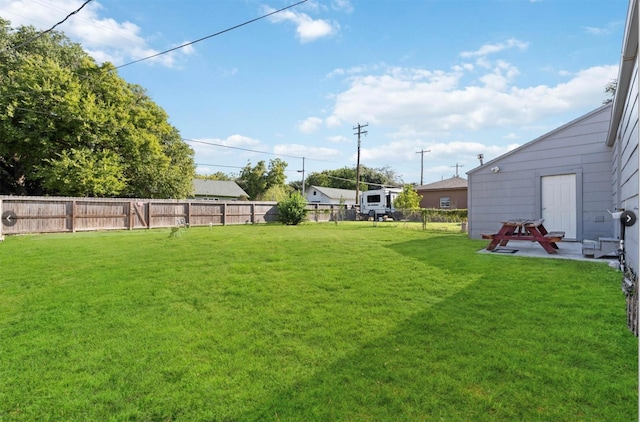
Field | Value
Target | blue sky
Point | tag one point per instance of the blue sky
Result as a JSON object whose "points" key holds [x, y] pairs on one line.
{"points": [[457, 78]]}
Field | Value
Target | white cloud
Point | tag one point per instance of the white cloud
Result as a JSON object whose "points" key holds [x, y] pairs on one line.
{"points": [[436, 102], [488, 49], [211, 149], [103, 38], [338, 139], [312, 152], [604, 30], [307, 29], [309, 125], [342, 5]]}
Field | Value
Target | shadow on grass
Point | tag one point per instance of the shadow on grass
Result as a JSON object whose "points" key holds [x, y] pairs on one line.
{"points": [[517, 348]]}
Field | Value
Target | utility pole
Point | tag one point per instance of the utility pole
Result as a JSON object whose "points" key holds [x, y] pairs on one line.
{"points": [[359, 132], [302, 171], [421, 152], [456, 166]]}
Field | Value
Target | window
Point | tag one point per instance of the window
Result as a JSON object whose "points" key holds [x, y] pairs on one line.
{"points": [[373, 198], [445, 202]]}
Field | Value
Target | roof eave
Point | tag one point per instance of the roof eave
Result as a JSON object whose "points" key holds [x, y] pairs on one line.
{"points": [[627, 62]]}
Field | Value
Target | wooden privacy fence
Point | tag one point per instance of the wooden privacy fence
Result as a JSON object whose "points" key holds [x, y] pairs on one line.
{"points": [[21, 214], [55, 214]]}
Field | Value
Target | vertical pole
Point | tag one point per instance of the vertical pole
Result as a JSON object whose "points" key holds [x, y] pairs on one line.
{"points": [[303, 187], [74, 211], [359, 132], [224, 214], [457, 166], [421, 152]]}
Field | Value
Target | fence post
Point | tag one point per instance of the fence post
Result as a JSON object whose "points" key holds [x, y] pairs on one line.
{"points": [[224, 213], [74, 211]]}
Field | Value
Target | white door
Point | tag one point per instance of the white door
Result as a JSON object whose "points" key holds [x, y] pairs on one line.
{"points": [[559, 204]]}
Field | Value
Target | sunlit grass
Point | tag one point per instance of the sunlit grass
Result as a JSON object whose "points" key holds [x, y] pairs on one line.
{"points": [[355, 321]]}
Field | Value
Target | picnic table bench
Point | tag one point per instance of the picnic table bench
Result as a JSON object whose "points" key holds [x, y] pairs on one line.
{"points": [[531, 230]]}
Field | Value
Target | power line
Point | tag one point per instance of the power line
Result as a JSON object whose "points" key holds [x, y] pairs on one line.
{"points": [[255, 151], [217, 165], [35, 37], [235, 167], [212, 35], [239, 148], [366, 183]]}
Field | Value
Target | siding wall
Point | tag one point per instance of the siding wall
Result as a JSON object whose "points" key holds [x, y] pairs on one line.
{"points": [[578, 147], [624, 165], [431, 199]]}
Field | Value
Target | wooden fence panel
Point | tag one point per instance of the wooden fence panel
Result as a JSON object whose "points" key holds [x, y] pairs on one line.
{"points": [[265, 212], [167, 214], [88, 215], [37, 217], [206, 213], [61, 214]]}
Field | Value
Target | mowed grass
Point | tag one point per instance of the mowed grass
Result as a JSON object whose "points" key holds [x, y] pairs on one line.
{"points": [[318, 322]]}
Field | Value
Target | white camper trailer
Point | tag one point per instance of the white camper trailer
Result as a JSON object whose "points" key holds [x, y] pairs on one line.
{"points": [[379, 202]]}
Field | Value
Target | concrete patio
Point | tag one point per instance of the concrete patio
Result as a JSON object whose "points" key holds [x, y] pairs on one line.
{"points": [[566, 250]]}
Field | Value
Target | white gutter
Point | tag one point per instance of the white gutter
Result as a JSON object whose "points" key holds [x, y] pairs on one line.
{"points": [[627, 63]]}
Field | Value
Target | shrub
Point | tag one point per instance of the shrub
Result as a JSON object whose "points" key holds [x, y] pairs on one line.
{"points": [[408, 199], [439, 215], [292, 211]]}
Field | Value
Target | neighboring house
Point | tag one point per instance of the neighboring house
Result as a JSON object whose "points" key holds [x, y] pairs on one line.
{"points": [[445, 194], [563, 177], [218, 190], [322, 195], [623, 139]]}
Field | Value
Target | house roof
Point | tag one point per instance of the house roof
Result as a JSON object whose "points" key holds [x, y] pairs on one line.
{"points": [[335, 193], [454, 182], [625, 72], [222, 188], [545, 136]]}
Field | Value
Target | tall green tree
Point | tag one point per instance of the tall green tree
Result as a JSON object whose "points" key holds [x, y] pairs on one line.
{"points": [[84, 173], [60, 111], [257, 180], [408, 199], [253, 180], [344, 178], [214, 176]]}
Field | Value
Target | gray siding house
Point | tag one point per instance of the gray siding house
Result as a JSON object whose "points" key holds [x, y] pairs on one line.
{"points": [[218, 190], [575, 176], [322, 195], [563, 177], [623, 139]]}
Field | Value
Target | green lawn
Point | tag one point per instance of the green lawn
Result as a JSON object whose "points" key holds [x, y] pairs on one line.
{"points": [[319, 322]]}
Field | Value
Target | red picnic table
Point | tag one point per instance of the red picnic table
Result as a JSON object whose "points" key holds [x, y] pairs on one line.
{"points": [[531, 230]]}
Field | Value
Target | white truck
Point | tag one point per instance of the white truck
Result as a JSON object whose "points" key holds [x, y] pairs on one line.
{"points": [[379, 202]]}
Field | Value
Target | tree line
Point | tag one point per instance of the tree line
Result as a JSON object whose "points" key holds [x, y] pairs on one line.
{"points": [[71, 127], [267, 182]]}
